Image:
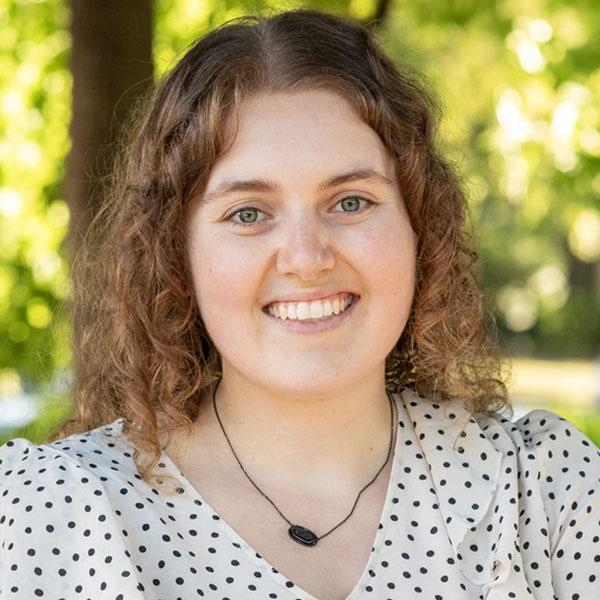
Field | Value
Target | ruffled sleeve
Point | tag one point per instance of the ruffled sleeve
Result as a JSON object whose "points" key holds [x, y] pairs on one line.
{"points": [[569, 479], [520, 499], [58, 534]]}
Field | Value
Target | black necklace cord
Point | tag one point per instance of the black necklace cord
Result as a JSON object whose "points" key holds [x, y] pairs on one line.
{"points": [[299, 533]]}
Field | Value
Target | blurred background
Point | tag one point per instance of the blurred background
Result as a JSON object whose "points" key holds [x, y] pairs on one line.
{"points": [[519, 83]]}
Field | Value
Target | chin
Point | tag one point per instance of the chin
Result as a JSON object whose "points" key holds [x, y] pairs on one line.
{"points": [[310, 383]]}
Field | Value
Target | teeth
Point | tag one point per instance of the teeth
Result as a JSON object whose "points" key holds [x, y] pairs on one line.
{"points": [[316, 309], [336, 307], [302, 311]]}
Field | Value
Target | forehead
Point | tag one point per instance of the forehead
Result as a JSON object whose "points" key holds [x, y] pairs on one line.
{"points": [[310, 134]]}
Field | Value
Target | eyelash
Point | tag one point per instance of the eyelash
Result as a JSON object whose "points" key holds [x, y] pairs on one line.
{"points": [[230, 218]]}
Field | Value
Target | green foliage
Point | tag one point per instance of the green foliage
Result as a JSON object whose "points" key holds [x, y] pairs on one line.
{"points": [[34, 118], [54, 412], [520, 87]]}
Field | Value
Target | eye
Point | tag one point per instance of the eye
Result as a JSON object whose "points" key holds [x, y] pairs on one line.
{"points": [[353, 204], [246, 216]]}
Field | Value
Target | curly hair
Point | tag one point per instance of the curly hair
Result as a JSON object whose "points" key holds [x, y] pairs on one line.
{"points": [[140, 348]]}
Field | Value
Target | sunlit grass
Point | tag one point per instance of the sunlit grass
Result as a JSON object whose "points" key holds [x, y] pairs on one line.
{"points": [[567, 387], [569, 383]]}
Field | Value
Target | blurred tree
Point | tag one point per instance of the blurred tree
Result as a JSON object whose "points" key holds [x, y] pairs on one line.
{"points": [[520, 87], [34, 119], [111, 66]]}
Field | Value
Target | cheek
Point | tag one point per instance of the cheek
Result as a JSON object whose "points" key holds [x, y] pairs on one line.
{"points": [[389, 254], [223, 279], [218, 299], [393, 280]]}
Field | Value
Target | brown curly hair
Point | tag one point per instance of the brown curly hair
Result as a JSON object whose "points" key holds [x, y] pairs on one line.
{"points": [[140, 348]]}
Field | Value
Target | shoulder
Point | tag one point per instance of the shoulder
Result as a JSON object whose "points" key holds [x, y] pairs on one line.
{"points": [[75, 467], [540, 453], [57, 515], [543, 427], [562, 461], [540, 434], [562, 454], [96, 451], [558, 445], [533, 492]]}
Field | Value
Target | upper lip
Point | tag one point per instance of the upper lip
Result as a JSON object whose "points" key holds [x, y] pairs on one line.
{"points": [[308, 296]]}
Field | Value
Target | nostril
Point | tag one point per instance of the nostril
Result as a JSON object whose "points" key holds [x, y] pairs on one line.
{"points": [[305, 257]]}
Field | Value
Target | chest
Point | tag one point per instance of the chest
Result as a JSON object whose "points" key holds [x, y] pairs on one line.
{"points": [[328, 571]]}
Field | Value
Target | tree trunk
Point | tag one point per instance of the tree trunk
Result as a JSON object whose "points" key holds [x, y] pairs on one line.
{"points": [[111, 62], [382, 8]]}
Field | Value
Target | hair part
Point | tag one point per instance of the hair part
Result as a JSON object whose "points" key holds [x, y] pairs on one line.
{"points": [[141, 350]]}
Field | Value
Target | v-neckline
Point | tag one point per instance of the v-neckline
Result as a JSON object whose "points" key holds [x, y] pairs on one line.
{"points": [[195, 496]]}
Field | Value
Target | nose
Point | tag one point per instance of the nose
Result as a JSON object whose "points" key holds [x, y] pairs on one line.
{"points": [[305, 250]]}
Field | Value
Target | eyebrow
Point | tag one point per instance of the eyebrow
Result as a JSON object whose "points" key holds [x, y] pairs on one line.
{"points": [[260, 185]]}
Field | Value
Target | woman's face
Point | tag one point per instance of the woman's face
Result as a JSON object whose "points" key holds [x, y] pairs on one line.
{"points": [[300, 217]]}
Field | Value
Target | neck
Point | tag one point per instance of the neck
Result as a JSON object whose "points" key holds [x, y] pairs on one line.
{"points": [[329, 442]]}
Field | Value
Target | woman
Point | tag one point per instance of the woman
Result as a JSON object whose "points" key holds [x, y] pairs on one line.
{"points": [[277, 313]]}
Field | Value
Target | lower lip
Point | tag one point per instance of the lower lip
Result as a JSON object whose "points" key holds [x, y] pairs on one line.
{"points": [[310, 326]]}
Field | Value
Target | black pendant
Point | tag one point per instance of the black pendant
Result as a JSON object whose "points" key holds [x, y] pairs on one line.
{"points": [[302, 535]]}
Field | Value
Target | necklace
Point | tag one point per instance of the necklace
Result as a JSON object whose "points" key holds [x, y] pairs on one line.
{"points": [[300, 534]]}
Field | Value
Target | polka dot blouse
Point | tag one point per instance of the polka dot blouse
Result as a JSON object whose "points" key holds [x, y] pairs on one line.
{"points": [[482, 508]]}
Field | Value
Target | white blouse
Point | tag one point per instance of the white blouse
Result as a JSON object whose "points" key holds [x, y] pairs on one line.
{"points": [[476, 508]]}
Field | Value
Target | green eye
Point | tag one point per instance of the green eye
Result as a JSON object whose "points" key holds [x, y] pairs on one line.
{"points": [[248, 215], [353, 204]]}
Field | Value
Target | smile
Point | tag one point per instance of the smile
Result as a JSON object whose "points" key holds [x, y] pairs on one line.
{"points": [[315, 310]]}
